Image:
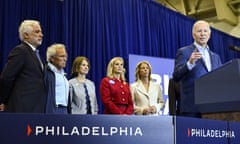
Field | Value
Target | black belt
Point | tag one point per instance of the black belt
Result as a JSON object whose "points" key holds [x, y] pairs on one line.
{"points": [[61, 106]]}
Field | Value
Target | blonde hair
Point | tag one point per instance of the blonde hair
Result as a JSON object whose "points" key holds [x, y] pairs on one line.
{"points": [[137, 70], [26, 27], [110, 68], [76, 64]]}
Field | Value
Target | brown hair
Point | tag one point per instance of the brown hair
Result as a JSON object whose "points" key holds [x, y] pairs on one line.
{"points": [[76, 64]]}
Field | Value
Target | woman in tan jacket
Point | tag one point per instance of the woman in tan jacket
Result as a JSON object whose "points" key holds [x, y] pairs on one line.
{"points": [[146, 94]]}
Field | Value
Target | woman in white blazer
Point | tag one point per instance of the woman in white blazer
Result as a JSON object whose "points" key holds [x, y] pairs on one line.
{"points": [[146, 94]]}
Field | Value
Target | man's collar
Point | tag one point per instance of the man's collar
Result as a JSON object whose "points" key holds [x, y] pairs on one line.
{"points": [[200, 47], [54, 69], [33, 48]]}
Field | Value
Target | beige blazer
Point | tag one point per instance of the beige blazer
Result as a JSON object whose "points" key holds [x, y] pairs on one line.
{"points": [[143, 99]]}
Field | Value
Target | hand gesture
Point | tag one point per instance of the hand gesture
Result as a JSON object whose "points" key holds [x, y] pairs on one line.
{"points": [[195, 56]]}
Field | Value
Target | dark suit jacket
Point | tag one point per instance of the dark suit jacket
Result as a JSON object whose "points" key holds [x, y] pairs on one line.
{"points": [[50, 83], [187, 77], [22, 82], [50, 87], [174, 97]]}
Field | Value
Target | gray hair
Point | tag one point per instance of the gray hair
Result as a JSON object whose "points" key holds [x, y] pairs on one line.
{"points": [[200, 22], [26, 27], [52, 50]]}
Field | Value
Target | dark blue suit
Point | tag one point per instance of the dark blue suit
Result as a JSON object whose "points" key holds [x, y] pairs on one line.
{"points": [[50, 87], [187, 77]]}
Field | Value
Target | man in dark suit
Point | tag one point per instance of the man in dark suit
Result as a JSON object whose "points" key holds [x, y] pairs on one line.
{"points": [[192, 62], [22, 79]]}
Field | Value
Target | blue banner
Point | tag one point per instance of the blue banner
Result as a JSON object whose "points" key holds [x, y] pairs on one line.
{"points": [[86, 129], [235, 127], [203, 131]]}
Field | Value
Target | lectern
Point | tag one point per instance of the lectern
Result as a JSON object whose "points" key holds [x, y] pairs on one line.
{"points": [[217, 94]]}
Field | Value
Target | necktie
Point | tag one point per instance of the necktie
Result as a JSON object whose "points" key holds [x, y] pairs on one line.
{"points": [[39, 59], [87, 100]]}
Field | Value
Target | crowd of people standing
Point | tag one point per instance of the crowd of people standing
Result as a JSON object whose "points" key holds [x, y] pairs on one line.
{"points": [[28, 84]]}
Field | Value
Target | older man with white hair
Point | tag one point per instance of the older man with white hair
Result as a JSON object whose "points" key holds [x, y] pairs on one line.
{"points": [[56, 83], [191, 62], [22, 79]]}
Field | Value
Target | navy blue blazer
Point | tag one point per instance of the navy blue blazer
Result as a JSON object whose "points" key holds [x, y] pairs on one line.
{"points": [[187, 77], [49, 79], [50, 84]]}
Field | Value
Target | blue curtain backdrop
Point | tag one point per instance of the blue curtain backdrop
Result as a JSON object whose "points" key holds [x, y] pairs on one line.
{"points": [[102, 29]]}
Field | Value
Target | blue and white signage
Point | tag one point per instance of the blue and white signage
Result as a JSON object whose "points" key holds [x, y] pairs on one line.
{"points": [[203, 131], [86, 129], [234, 127]]}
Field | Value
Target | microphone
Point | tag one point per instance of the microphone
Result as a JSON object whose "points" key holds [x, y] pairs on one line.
{"points": [[235, 48]]}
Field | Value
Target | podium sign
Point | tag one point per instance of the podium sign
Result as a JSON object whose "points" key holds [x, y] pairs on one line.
{"points": [[202, 131], [235, 126], [219, 90]]}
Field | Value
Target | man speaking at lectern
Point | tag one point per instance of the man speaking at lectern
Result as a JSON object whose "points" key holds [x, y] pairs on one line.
{"points": [[192, 62]]}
